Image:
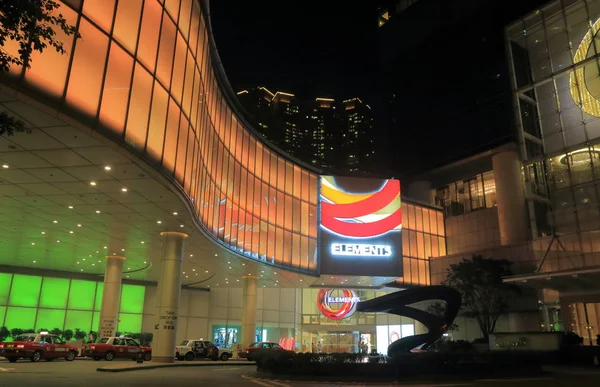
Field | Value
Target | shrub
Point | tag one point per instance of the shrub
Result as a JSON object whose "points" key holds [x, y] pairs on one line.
{"points": [[4, 333], [67, 334]]}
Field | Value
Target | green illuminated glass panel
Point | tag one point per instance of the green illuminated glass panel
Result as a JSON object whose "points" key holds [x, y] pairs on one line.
{"points": [[99, 290], [130, 323], [78, 319], [4, 288], [2, 314], [82, 295], [132, 298], [96, 321], [25, 291], [23, 318], [54, 293], [50, 319]]}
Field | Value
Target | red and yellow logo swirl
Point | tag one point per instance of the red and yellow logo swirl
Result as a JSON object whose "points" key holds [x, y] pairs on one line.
{"points": [[360, 215], [345, 305]]}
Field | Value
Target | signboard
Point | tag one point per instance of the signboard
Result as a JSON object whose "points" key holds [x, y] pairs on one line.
{"points": [[108, 327], [337, 307], [167, 319], [360, 230]]}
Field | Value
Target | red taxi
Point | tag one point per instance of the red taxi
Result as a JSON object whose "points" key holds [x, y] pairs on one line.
{"points": [[37, 346], [108, 348], [250, 352]]}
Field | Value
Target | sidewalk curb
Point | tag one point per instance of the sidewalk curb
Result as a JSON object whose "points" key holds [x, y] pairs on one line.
{"points": [[173, 365]]}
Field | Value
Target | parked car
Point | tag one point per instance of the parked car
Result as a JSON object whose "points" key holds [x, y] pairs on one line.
{"points": [[195, 349], [254, 349], [108, 348], [37, 346]]}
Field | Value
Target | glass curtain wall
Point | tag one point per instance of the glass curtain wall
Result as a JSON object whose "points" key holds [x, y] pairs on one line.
{"points": [[554, 58], [462, 197], [143, 74]]}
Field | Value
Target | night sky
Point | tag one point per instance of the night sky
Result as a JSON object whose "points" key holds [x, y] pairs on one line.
{"points": [[312, 48]]}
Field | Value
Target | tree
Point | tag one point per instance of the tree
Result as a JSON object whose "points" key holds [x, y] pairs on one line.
{"points": [[485, 297], [32, 26], [4, 333], [438, 309]]}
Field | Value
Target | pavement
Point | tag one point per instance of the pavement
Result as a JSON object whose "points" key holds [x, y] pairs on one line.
{"points": [[84, 372]]}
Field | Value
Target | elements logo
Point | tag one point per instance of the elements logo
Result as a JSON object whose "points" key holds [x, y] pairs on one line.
{"points": [[360, 215], [346, 305], [580, 90]]}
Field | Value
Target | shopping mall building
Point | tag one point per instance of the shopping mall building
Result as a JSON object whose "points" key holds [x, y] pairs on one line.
{"points": [[143, 201]]}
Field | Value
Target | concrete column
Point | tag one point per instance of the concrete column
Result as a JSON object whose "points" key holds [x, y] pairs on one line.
{"points": [[510, 199], [167, 297], [249, 311], [111, 296]]}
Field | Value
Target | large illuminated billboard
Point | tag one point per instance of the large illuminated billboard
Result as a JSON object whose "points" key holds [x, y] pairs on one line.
{"points": [[360, 230]]}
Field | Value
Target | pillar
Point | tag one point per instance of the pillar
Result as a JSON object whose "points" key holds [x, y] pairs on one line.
{"points": [[249, 311], [167, 297], [111, 296], [510, 199]]}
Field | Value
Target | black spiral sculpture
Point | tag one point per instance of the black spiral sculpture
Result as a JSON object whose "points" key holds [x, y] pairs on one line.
{"points": [[396, 303]]}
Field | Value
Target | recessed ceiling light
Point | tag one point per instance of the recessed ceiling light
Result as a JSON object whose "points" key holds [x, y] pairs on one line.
{"points": [[32, 243], [181, 225], [144, 261], [142, 242], [107, 168], [124, 189], [127, 276], [83, 259], [128, 268], [78, 263], [174, 213], [55, 221], [92, 183], [237, 280], [191, 255], [99, 261], [263, 286], [43, 232], [300, 279], [104, 246], [158, 221], [81, 269], [243, 264], [207, 271], [230, 267], [216, 255], [186, 276], [184, 272], [229, 263], [57, 241], [79, 225], [5, 166], [97, 211], [70, 207], [262, 271], [70, 232], [226, 282], [122, 249], [93, 264], [217, 284], [193, 269], [275, 273]]}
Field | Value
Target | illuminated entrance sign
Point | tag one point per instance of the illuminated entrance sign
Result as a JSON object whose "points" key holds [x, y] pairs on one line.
{"points": [[360, 230], [337, 308]]}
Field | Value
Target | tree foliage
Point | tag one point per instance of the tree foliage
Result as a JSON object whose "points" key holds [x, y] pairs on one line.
{"points": [[438, 309], [32, 26], [485, 297]]}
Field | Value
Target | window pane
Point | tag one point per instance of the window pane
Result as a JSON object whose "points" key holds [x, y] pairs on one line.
{"points": [[50, 319], [100, 12], [87, 70], [139, 107], [22, 318], [78, 320], [149, 34], [179, 69], [184, 17], [127, 23], [130, 323], [5, 282], [81, 294], [50, 72], [54, 293], [171, 137], [25, 290], [158, 116], [132, 298], [165, 52], [116, 89]]}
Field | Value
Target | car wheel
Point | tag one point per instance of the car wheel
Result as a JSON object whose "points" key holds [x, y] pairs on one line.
{"points": [[225, 356], [147, 356], [189, 356], [36, 357], [109, 356], [71, 356], [12, 359], [97, 358]]}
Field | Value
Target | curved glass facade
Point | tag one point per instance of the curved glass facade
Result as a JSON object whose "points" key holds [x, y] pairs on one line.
{"points": [[143, 73]]}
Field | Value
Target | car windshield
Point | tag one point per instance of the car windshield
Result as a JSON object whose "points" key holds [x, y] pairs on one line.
{"points": [[184, 343], [254, 345], [28, 338], [102, 340]]}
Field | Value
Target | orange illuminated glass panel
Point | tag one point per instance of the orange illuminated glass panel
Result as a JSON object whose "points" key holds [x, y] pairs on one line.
{"points": [[271, 242], [296, 214], [49, 72], [313, 189], [433, 221], [413, 244], [227, 226], [251, 154], [304, 253], [115, 95], [139, 108], [148, 43], [297, 182], [422, 273], [406, 269], [243, 187], [440, 223], [259, 159], [264, 201], [280, 207], [281, 174], [420, 245], [85, 80], [184, 17], [426, 226], [263, 241], [410, 217], [312, 221], [181, 149], [414, 269], [239, 145], [165, 52], [289, 214], [100, 12], [287, 248], [289, 178], [248, 232], [418, 218], [266, 165], [278, 245], [272, 180], [235, 213], [295, 262], [188, 84], [179, 69], [189, 160], [245, 146], [312, 248], [201, 52], [196, 105], [172, 6], [272, 200], [304, 218], [442, 246], [435, 249], [427, 240], [127, 23], [194, 28], [305, 186], [170, 151], [405, 244], [158, 118]]}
